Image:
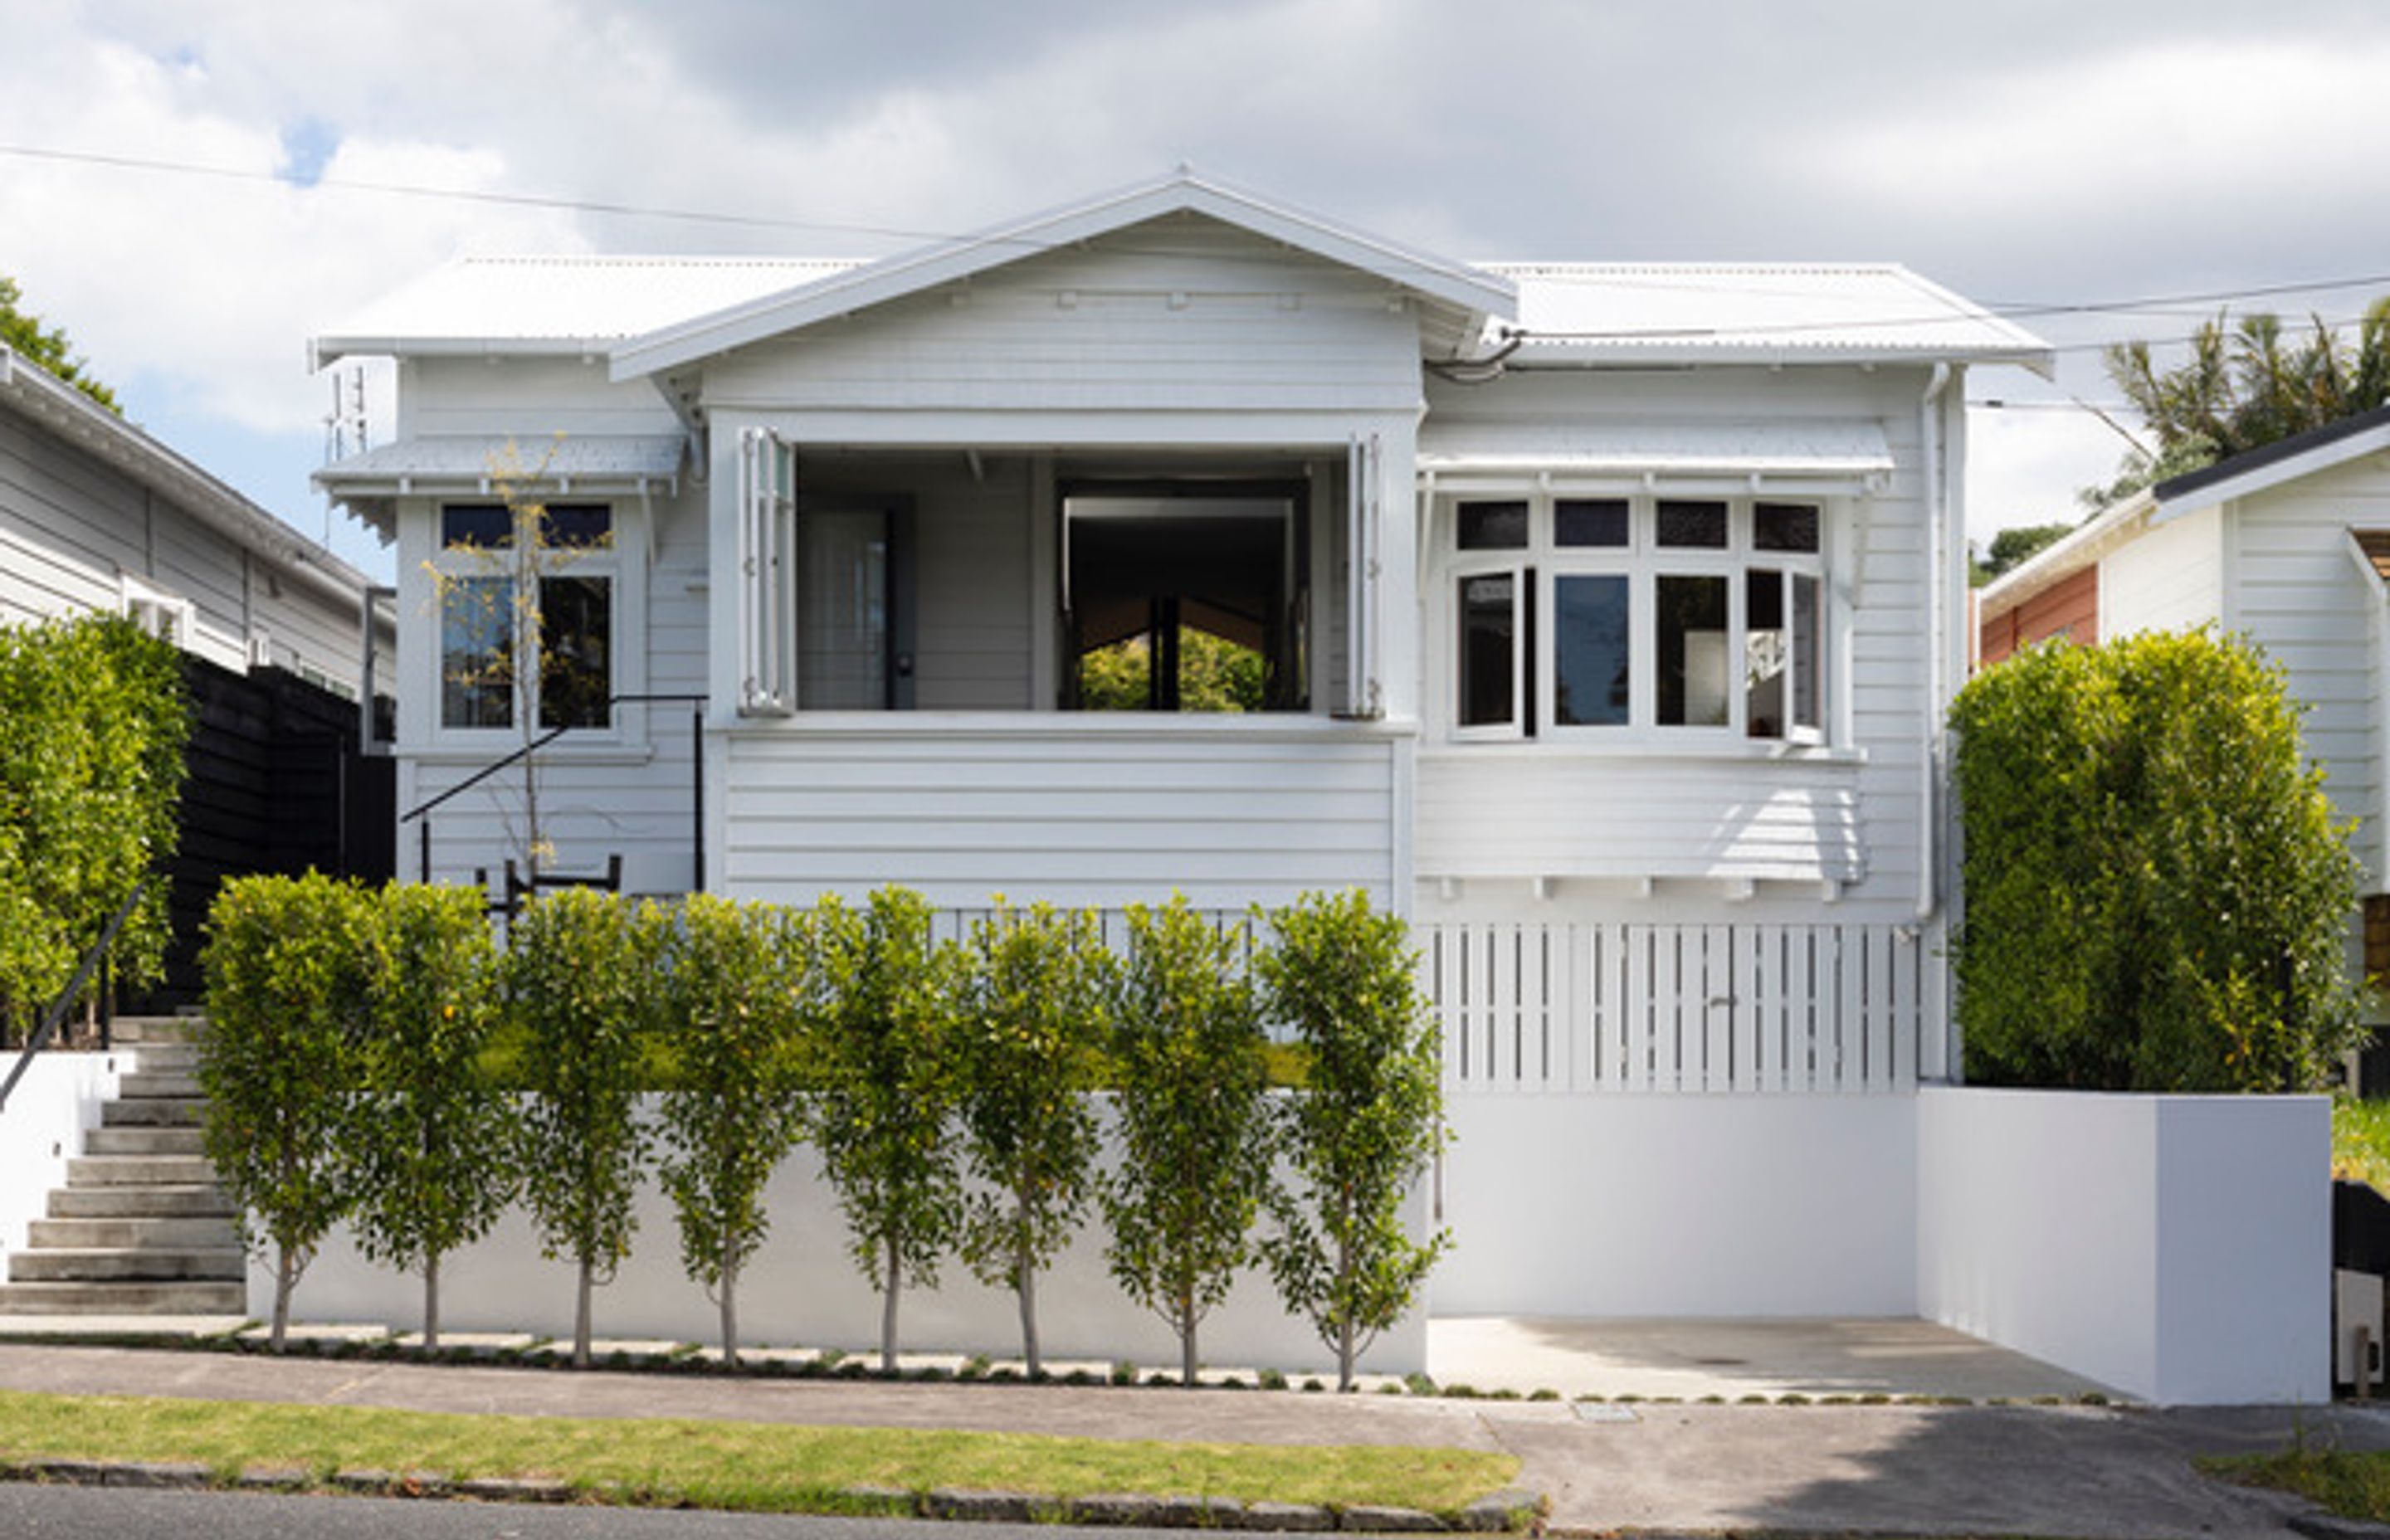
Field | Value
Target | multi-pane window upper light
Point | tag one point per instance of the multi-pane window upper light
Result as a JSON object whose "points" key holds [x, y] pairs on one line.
{"points": [[1664, 614]]}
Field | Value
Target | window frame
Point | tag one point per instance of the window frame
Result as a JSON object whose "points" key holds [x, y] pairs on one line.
{"points": [[616, 562], [1542, 565]]}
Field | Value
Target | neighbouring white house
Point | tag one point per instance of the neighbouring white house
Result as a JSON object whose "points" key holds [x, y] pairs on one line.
{"points": [[2288, 546], [1599, 618]]}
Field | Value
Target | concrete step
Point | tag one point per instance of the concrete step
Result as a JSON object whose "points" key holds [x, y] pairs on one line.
{"points": [[139, 1170], [189, 1200], [154, 1112], [133, 1030], [87, 1235], [119, 1265], [144, 1141], [180, 1298], [181, 1058], [141, 1084]]}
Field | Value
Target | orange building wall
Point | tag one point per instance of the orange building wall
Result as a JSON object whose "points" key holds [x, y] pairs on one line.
{"points": [[2069, 609]]}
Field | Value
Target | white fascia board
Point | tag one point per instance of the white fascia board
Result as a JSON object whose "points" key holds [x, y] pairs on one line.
{"points": [[2036, 357], [323, 351], [2265, 477], [1453, 283], [2062, 558]]}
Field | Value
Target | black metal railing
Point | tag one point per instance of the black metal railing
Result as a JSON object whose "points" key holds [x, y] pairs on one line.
{"points": [[95, 957], [419, 814]]}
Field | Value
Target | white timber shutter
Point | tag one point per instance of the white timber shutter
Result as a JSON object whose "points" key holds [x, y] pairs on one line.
{"points": [[767, 495], [1364, 532]]}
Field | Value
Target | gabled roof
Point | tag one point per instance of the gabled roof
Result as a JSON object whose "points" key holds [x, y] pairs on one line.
{"points": [[61, 409], [1666, 313], [2272, 464], [1473, 293], [558, 304]]}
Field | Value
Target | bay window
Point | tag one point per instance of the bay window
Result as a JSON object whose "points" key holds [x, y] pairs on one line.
{"points": [[1667, 619]]}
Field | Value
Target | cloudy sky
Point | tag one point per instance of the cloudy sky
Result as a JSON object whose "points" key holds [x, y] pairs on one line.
{"points": [[2136, 155]]}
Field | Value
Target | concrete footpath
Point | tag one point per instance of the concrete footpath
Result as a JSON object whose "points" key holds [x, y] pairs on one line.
{"points": [[2055, 1471]]}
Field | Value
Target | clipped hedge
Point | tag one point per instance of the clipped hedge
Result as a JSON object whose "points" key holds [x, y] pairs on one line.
{"points": [[2157, 894]]}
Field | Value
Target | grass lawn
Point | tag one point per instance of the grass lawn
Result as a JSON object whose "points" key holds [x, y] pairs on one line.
{"points": [[2353, 1485], [2360, 1140], [753, 1467]]}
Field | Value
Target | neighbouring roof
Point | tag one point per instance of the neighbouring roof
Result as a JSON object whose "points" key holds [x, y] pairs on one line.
{"points": [[1658, 312], [75, 418], [2285, 460], [1816, 447], [573, 304]]}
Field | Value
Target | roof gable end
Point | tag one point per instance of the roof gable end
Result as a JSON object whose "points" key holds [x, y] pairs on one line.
{"points": [[1457, 284]]}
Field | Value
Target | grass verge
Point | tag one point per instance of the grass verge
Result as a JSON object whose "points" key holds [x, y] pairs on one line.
{"points": [[2355, 1486], [749, 1467]]}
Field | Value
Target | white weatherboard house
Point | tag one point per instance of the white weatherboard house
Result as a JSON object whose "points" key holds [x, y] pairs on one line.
{"points": [[1599, 618]]}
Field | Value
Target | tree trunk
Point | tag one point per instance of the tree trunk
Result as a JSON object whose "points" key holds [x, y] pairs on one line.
{"points": [[1024, 1273], [888, 1312], [581, 1315], [729, 1314], [286, 1278], [1343, 1308], [1187, 1358], [431, 1302]]}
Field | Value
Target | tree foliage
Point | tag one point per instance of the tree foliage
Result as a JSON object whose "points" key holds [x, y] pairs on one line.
{"points": [[1366, 1125], [2244, 385], [580, 990], [2014, 547], [1194, 1120], [1215, 674], [733, 978], [46, 347], [429, 1128], [2157, 895], [879, 1027], [1029, 1030], [92, 724], [286, 997]]}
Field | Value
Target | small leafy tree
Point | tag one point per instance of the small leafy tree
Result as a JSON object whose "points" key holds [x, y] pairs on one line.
{"points": [[1194, 1120], [580, 992], [878, 1038], [734, 981], [1029, 1031], [46, 347], [286, 994], [2157, 895], [1366, 1125], [431, 1127], [92, 724]]}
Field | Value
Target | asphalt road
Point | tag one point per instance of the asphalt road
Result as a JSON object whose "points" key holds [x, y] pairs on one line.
{"points": [[33, 1512]]}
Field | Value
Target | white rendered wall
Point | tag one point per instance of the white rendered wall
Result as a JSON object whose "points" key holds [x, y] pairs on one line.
{"points": [[802, 1290], [1680, 1205], [42, 1128], [2177, 1247]]}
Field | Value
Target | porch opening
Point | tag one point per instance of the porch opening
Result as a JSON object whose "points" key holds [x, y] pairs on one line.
{"points": [[1185, 596]]}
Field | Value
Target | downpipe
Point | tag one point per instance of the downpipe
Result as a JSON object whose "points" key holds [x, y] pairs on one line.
{"points": [[1935, 454]]}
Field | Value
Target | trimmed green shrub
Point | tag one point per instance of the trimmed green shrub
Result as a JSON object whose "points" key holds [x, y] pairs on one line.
{"points": [[2157, 897], [878, 1028], [733, 979], [1366, 1125], [286, 994], [429, 1130], [580, 988], [1194, 1120], [1029, 1029], [92, 724]]}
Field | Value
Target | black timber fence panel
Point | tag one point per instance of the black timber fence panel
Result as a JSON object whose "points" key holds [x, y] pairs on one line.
{"points": [[275, 783]]}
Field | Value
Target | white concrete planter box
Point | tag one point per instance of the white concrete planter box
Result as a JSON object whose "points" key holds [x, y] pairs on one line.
{"points": [[2175, 1247], [48, 1114]]}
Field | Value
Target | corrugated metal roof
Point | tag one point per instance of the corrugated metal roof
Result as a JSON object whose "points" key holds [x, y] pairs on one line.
{"points": [[1651, 310], [472, 457], [1823, 448], [562, 300]]}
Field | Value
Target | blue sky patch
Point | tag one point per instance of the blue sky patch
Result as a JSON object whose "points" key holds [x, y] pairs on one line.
{"points": [[307, 146]]}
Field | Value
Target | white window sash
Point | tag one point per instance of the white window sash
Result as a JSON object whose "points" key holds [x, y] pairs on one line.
{"points": [[1363, 531], [767, 622]]}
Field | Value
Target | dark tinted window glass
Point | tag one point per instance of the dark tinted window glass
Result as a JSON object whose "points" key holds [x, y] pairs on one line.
{"points": [[1700, 525], [488, 525], [576, 639], [1493, 526], [1691, 688], [1589, 522], [577, 525], [1591, 642], [1488, 639], [1784, 526], [1808, 654], [1766, 656]]}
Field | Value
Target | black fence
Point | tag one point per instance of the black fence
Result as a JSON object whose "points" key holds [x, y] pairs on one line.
{"points": [[276, 784]]}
